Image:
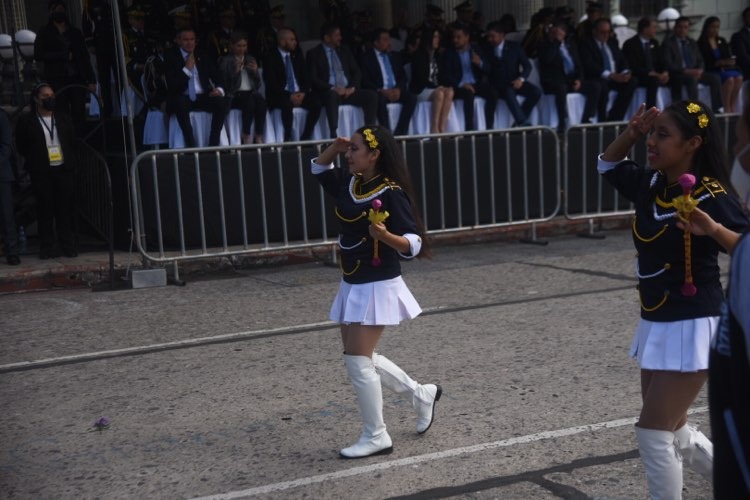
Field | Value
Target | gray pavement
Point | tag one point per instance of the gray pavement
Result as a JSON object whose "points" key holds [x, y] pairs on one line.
{"points": [[233, 386]]}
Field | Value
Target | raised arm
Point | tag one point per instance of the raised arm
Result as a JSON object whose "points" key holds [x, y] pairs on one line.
{"points": [[638, 126]]}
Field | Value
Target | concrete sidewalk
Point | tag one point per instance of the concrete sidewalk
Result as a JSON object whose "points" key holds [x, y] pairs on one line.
{"points": [[91, 268]]}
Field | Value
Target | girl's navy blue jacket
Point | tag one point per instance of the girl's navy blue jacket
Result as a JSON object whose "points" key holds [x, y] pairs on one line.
{"points": [[661, 246], [353, 202]]}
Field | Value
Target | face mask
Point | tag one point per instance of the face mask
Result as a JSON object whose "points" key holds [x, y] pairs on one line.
{"points": [[57, 16], [740, 178], [49, 103]]}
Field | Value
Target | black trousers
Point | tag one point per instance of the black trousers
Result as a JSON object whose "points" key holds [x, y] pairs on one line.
{"points": [[712, 80], [408, 103], [180, 106], [624, 91], [365, 99], [54, 190], [253, 108], [7, 220], [590, 89], [484, 91], [520, 112], [312, 104]]}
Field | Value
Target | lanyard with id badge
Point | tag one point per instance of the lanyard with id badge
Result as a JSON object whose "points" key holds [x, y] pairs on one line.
{"points": [[54, 151]]}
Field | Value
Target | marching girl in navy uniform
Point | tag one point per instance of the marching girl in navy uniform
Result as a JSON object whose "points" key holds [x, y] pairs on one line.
{"points": [[379, 226], [729, 363], [678, 277]]}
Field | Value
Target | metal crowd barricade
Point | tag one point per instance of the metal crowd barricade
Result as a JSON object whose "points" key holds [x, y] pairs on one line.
{"points": [[239, 200], [587, 195]]}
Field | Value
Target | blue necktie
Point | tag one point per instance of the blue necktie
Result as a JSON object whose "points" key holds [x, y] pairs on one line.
{"points": [[605, 56], [390, 78], [568, 65], [191, 83], [289, 73], [686, 55]]}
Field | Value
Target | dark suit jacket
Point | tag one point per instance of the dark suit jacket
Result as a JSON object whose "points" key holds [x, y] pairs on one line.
{"points": [[54, 50], [593, 59], [451, 71], [274, 75], [635, 55], [372, 77], [177, 80], [420, 70], [551, 67], [707, 52], [741, 48], [319, 70], [233, 79], [32, 144], [671, 53], [510, 66]]}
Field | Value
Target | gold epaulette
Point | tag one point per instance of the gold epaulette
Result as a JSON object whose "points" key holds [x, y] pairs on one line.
{"points": [[711, 185], [391, 184]]}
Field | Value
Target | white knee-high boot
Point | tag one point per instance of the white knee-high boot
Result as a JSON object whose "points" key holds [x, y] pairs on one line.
{"points": [[696, 449], [366, 381], [662, 463], [423, 397]]}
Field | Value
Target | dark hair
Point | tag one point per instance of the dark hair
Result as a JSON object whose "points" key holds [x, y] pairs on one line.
{"points": [[599, 21], [709, 160], [375, 34], [35, 92], [509, 23], [238, 35], [327, 28], [425, 37], [644, 23], [704, 31], [391, 163], [461, 27], [496, 26], [682, 19]]}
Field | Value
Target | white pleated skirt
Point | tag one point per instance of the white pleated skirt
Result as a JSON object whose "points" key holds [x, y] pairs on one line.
{"points": [[680, 346], [385, 302]]}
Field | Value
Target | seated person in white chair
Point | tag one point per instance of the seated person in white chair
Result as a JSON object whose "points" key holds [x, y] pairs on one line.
{"points": [[194, 83], [240, 73]]}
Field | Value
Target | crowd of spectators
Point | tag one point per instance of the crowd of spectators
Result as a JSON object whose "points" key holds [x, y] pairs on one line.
{"points": [[217, 55]]}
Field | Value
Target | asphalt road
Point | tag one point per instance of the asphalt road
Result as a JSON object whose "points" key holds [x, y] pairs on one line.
{"points": [[234, 386]]}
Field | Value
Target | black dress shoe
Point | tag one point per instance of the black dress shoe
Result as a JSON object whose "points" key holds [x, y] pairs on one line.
{"points": [[13, 260]]}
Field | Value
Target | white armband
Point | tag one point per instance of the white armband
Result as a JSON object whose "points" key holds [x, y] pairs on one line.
{"points": [[415, 245], [605, 166], [317, 168]]}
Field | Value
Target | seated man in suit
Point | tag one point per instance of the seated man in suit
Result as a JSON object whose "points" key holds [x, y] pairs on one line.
{"points": [[740, 43], [560, 72], [336, 78], [644, 58], [603, 60], [194, 83], [686, 66], [465, 69], [285, 89], [509, 69], [383, 72]]}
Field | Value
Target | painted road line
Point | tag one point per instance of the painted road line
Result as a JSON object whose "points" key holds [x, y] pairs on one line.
{"points": [[429, 457]]}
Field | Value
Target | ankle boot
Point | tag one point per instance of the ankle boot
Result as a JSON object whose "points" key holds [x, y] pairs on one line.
{"points": [[662, 463], [366, 381], [423, 397], [696, 449]]}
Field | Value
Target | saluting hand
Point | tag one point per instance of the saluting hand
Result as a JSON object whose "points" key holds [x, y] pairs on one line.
{"points": [[642, 121]]}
